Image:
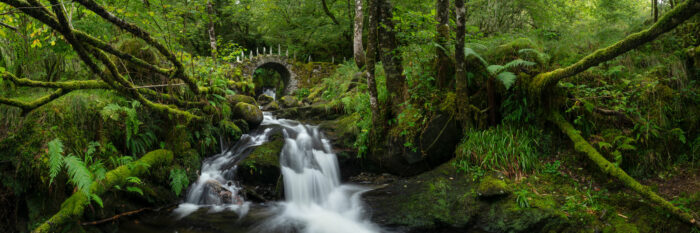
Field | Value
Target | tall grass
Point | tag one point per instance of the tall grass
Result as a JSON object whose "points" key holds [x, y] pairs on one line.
{"points": [[514, 151]]}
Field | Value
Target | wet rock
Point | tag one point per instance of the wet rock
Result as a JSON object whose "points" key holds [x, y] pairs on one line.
{"points": [[265, 99], [260, 170], [248, 112], [313, 112], [289, 102], [272, 106], [215, 193]]}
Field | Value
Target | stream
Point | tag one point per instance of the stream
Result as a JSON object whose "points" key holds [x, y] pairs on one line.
{"points": [[315, 199]]}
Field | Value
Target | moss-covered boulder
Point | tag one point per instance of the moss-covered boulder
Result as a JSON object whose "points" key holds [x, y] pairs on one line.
{"points": [[492, 186], [265, 99], [260, 170], [248, 112], [312, 112], [289, 102], [272, 106], [242, 98]]}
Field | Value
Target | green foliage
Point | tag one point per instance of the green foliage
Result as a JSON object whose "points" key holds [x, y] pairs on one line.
{"points": [[137, 141], [521, 197], [552, 168], [178, 180], [55, 158], [504, 148], [79, 174]]}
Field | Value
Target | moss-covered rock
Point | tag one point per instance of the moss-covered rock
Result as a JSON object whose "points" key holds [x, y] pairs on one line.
{"points": [[289, 102], [248, 112], [265, 99], [313, 112], [260, 170], [492, 186], [242, 98], [272, 106]]}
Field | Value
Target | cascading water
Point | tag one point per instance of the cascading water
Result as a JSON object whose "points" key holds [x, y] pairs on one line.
{"points": [[270, 92], [316, 201]]}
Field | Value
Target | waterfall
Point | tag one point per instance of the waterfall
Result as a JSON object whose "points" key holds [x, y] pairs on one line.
{"points": [[316, 201], [270, 92]]}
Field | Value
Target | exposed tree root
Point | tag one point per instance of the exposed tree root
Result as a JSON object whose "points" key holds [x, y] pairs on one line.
{"points": [[74, 206], [581, 145]]}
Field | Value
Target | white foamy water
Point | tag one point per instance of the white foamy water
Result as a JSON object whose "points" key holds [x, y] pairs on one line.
{"points": [[270, 92], [316, 201]]}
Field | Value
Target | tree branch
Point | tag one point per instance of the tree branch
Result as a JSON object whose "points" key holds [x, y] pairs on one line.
{"points": [[329, 13], [672, 19], [609, 168], [29, 106], [8, 26]]}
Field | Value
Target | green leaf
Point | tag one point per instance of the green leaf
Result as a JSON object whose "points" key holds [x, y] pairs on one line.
{"points": [[135, 190], [518, 63], [55, 158], [79, 174], [507, 78], [97, 199], [178, 180], [495, 69], [470, 52], [133, 180]]}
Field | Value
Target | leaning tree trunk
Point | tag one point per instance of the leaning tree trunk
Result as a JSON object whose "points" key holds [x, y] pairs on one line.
{"points": [[358, 50], [212, 32], [669, 21], [442, 63], [391, 59], [581, 145], [461, 81], [655, 9]]}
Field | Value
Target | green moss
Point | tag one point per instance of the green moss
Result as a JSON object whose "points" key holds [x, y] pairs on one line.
{"points": [[289, 102], [248, 112], [265, 155], [230, 130], [242, 98], [492, 186]]}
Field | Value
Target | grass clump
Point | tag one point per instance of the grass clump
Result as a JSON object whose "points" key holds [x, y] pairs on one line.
{"points": [[514, 151]]}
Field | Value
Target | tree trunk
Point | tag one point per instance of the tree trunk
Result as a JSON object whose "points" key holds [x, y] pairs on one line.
{"points": [[391, 59], [372, 43], [358, 50], [610, 169], [212, 33], [669, 21], [442, 63], [462, 100], [655, 9]]}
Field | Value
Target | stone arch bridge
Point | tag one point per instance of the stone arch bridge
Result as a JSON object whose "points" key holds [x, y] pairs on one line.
{"points": [[294, 74]]}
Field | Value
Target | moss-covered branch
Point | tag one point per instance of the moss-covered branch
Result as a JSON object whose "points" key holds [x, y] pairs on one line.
{"points": [[74, 206], [609, 168], [672, 19], [135, 30], [29, 106], [67, 85]]}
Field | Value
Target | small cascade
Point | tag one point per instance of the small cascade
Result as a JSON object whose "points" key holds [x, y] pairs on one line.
{"points": [[270, 92]]}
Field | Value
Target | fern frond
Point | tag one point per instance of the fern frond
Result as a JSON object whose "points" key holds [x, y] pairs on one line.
{"points": [[507, 78], [518, 63], [476, 46], [178, 180], [495, 69], [97, 199], [470, 52], [134, 189], [79, 174], [55, 158], [541, 58]]}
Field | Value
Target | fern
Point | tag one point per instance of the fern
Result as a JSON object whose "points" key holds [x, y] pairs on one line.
{"points": [[470, 52], [135, 190], [79, 174], [97, 199], [507, 78], [495, 69], [541, 58], [476, 46], [178, 180], [518, 63], [55, 158]]}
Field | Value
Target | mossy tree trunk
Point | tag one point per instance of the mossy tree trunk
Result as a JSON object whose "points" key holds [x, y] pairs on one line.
{"points": [[74, 206], [358, 50], [461, 82], [443, 62], [391, 60], [581, 145], [671, 20], [371, 55]]}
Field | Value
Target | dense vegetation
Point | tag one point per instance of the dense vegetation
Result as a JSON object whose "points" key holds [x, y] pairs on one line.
{"points": [[111, 106]]}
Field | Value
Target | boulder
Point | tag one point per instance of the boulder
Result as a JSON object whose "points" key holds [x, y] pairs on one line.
{"points": [[248, 112], [272, 106], [215, 193], [235, 99], [435, 144], [260, 170], [265, 99], [492, 186], [313, 112], [289, 102]]}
